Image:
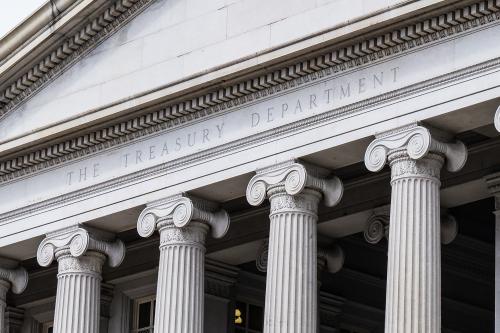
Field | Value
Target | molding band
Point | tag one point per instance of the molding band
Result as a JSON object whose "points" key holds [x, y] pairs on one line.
{"points": [[339, 60]]}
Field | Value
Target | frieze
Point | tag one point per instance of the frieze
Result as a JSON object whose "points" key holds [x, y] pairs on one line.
{"points": [[339, 60], [264, 117]]}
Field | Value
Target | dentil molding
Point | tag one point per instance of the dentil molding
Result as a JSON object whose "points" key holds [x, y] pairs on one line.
{"points": [[391, 44]]}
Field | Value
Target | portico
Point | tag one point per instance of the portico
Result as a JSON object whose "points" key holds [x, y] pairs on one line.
{"points": [[329, 162]]}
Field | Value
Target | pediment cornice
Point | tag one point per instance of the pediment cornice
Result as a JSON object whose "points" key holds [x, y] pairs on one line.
{"points": [[68, 52], [379, 48]]}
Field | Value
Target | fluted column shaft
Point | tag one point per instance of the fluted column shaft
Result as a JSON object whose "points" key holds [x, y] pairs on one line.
{"points": [[181, 276], [183, 224], [78, 293], [416, 156], [291, 288], [80, 252], [414, 258], [294, 190]]}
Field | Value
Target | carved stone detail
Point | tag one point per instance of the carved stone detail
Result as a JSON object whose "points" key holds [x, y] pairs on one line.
{"points": [[78, 240], [183, 224], [414, 256], [80, 252], [377, 226], [415, 142], [294, 178], [180, 211], [294, 191], [345, 58]]}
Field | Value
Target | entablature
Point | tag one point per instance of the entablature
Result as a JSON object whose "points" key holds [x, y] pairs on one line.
{"points": [[327, 107]]}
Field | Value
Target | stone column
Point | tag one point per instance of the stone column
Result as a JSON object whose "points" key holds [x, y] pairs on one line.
{"points": [[80, 252], [294, 192], [493, 182], [413, 302], [183, 224], [12, 278], [497, 119]]}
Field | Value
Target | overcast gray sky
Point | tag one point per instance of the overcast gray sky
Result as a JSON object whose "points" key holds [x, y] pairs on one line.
{"points": [[13, 12]]}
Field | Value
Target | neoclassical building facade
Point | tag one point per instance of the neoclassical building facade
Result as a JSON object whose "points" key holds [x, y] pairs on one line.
{"points": [[269, 166]]}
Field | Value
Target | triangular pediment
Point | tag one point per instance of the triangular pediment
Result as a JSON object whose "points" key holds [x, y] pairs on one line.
{"points": [[123, 60]]}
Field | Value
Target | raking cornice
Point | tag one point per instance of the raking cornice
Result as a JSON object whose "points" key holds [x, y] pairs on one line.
{"points": [[346, 58], [70, 51]]}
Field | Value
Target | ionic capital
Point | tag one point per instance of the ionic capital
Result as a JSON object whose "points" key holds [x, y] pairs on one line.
{"points": [[377, 225], [449, 228], [78, 240], [332, 258], [418, 142], [497, 119], [14, 274], [295, 178], [181, 210]]}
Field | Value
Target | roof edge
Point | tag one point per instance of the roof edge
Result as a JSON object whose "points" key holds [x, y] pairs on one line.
{"points": [[39, 20]]}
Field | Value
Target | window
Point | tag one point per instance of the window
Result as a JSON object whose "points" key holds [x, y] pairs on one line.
{"points": [[249, 318], [144, 315], [47, 328]]}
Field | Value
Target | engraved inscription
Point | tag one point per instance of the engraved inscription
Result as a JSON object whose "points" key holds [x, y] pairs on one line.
{"points": [[268, 113]]}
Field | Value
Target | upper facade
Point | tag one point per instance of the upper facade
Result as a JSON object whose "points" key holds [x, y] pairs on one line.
{"points": [[99, 100]]}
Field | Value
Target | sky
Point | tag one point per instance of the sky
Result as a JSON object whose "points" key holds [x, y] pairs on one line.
{"points": [[13, 12]]}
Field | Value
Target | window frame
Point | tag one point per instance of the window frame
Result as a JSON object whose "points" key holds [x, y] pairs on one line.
{"points": [[135, 313]]}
